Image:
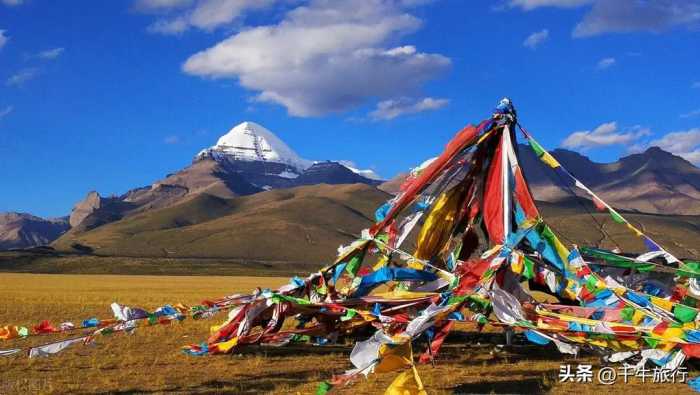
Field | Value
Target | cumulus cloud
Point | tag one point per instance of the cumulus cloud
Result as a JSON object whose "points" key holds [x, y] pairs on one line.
{"points": [[390, 109], [50, 54], [685, 144], [605, 63], [535, 39], [610, 16], [3, 38], [623, 16], [532, 4], [327, 56], [604, 135], [202, 14], [22, 76], [5, 111]]}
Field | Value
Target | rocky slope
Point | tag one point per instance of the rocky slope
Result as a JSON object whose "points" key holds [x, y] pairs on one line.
{"points": [[246, 160], [654, 181], [20, 230], [302, 224]]}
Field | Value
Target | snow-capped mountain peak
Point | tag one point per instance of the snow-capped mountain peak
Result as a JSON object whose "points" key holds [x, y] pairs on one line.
{"points": [[249, 141], [251, 149], [367, 173]]}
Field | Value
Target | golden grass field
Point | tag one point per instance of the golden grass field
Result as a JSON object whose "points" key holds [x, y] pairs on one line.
{"points": [[150, 360]]}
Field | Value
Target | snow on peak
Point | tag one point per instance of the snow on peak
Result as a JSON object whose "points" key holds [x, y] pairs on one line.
{"points": [[370, 174], [249, 141]]}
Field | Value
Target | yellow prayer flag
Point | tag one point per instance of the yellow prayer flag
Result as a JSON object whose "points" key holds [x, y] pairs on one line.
{"points": [[380, 263], [394, 357], [516, 263], [227, 345], [215, 328], [635, 230], [414, 264], [549, 160], [663, 303], [407, 383], [673, 334], [637, 316]]}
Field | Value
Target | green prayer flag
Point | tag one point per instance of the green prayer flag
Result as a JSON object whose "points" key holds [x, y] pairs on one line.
{"points": [[539, 151], [689, 269], [354, 264], [627, 313], [277, 298], [529, 271], [651, 342], [323, 388], [617, 217], [349, 314], [591, 283], [684, 313]]}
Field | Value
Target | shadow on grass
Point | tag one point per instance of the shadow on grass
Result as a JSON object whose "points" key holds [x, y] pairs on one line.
{"points": [[524, 386]]}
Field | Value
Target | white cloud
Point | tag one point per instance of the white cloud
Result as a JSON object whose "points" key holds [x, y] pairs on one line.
{"points": [[690, 114], [327, 56], [5, 111], [367, 173], [390, 109], [171, 140], [22, 76], [532, 4], [160, 5], [620, 16], [50, 53], [604, 135], [684, 143], [605, 63], [202, 14], [3, 38], [12, 3], [535, 39]]}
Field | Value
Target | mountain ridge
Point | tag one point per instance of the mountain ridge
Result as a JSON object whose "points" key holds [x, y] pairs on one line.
{"points": [[250, 159]]}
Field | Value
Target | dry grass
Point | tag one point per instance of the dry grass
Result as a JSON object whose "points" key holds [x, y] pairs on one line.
{"points": [[151, 361]]}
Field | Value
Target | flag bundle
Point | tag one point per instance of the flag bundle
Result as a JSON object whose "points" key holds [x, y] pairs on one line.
{"points": [[479, 237]]}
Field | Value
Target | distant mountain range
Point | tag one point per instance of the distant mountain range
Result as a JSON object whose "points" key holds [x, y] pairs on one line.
{"points": [[654, 181], [246, 160], [19, 230], [251, 160]]}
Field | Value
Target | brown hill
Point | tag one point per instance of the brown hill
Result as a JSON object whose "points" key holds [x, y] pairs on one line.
{"points": [[654, 181], [20, 230], [201, 177], [304, 224]]}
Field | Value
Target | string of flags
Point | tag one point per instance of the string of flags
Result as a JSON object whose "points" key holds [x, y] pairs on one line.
{"points": [[479, 238]]}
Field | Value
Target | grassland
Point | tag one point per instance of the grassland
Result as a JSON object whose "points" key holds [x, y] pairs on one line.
{"points": [[150, 360]]}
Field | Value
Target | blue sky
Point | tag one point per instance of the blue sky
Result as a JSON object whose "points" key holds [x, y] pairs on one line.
{"points": [[109, 96]]}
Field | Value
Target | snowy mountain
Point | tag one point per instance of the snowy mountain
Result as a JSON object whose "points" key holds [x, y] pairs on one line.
{"points": [[267, 162], [250, 142], [246, 160]]}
